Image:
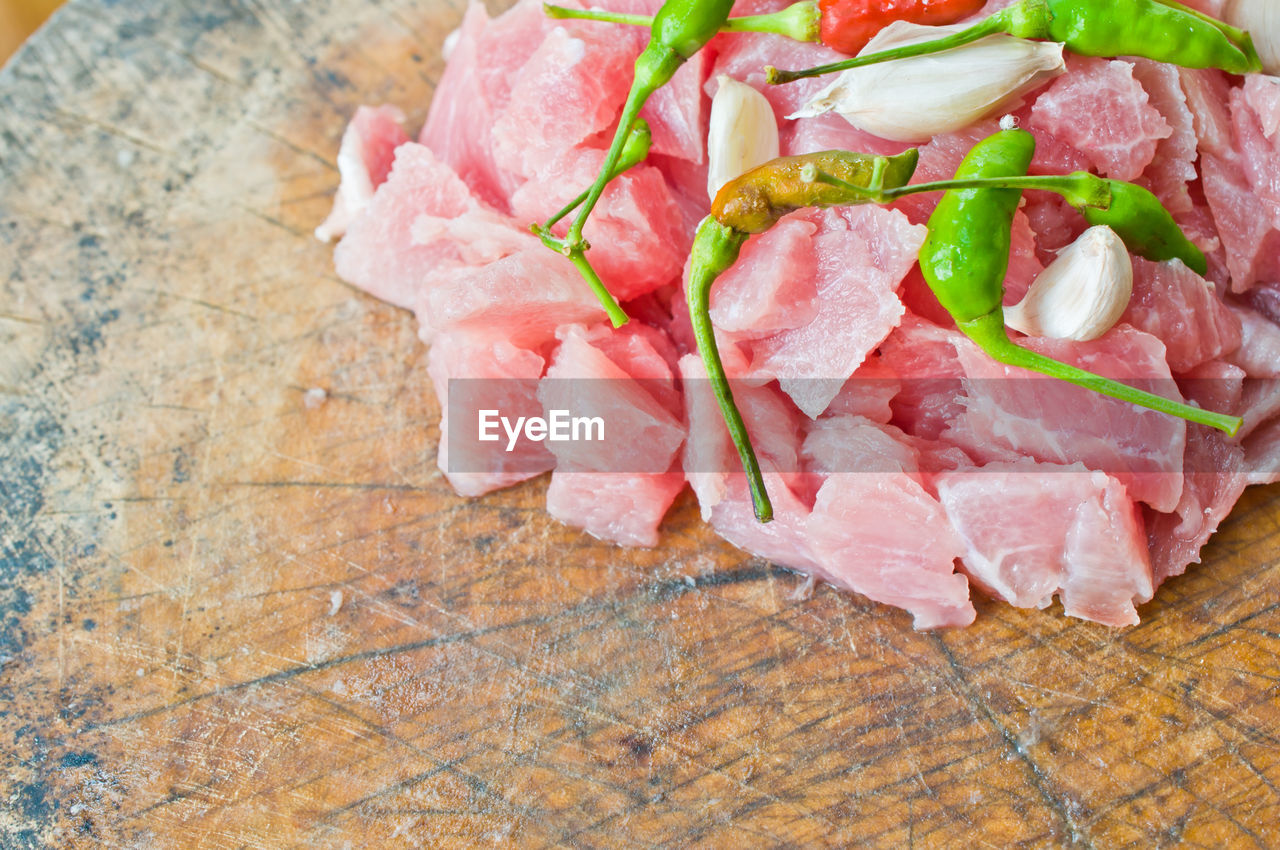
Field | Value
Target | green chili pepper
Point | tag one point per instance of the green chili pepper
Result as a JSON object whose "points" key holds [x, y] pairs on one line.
{"points": [[715, 249], [679, 30], [966, 254], [1162, 30], [752, 203], [800, 21]]}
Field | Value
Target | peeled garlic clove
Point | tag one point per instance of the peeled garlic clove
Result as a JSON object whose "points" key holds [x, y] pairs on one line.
{"points": [[1081, 294], [914, 99], [1262, 19], [743, 133]]}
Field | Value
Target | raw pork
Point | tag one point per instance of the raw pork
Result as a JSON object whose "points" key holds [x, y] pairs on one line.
{"points": [[901, 461]]}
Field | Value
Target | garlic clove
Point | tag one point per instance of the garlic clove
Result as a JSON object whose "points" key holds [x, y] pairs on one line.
{"points": [[1262, 19], [914, 99], [742, 133], [1082, 293]]}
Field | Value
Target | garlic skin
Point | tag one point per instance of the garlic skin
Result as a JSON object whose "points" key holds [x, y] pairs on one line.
{"points": [[1262, 19], [1082, 293], [914, 99], [742, 133]]}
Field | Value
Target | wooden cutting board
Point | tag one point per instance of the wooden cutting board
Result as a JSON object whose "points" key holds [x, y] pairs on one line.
{"points": [[233, 617]]}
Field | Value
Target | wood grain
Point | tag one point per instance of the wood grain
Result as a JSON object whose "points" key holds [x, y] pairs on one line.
{"points": [[229, 619]]}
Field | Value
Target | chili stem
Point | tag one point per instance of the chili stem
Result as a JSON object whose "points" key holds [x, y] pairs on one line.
{"points": [[982, 29], [561, 213], [1080, 190], [990, 334], [577, 256], [617, 316], [602, 15], [573, 239], [799, 21]]}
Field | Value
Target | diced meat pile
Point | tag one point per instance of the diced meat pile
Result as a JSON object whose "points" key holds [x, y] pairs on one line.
{"points": [[902, 463]]}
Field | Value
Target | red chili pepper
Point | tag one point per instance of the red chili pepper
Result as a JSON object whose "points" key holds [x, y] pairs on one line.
{"points": [[847, 25]]}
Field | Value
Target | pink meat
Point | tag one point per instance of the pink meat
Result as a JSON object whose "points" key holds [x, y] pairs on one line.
{"points": [[854, 444], [920, 301], [1259, 351], [1241, 183], [677, 113], [1053, 154], [617, 488], [1055, 223], [1011, 413], [571, 88], [869, 412], [1173, 165], [744, 56], [1183, 311], [882, 535], [1262, 93], [714, 471], [1259, 357], [688, 184], [862, 255], [925, 358], [831, 132], [868, 392], [641, 434], [710, 458], [1208, 94], [364, 161], [1215, 385], [623, 509], [475, 87], [1244, 223], [1032, 530], [637, 233], [379, 253], [475, 371], [1262, 454], [1215, 478], [647, 355], [1100, 109], [522, 297], [773, 285], [1255, 113], [1197, 224], [1024, 264]]}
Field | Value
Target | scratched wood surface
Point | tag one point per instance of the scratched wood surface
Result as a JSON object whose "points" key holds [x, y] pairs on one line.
{"points": [[233, 618]]}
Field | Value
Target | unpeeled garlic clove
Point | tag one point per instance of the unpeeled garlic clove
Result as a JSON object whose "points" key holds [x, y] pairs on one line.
{"points": [[1081, 294], [743, 133], [1262, 19], [914, 99]]}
